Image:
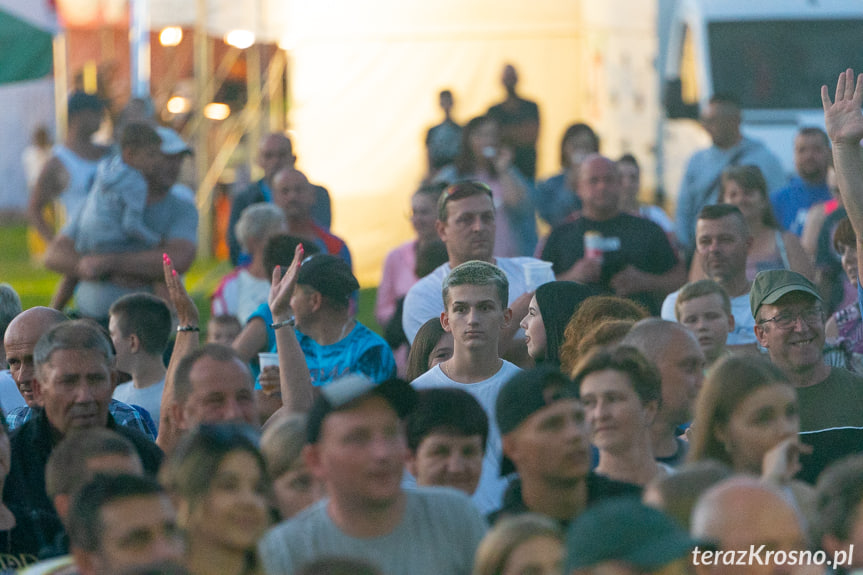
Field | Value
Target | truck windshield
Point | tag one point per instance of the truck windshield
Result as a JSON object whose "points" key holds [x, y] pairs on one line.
{"points": [[782, 64]]}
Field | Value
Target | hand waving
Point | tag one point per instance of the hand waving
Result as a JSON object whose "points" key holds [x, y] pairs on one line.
{"points": [[187, 311], [282, 287], [843, 118]]}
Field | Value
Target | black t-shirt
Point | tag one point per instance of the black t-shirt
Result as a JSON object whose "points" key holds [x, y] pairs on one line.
{"points": [[627, 240]]}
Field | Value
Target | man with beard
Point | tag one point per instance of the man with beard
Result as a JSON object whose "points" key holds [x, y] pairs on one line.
{"points": [[811, 159]]}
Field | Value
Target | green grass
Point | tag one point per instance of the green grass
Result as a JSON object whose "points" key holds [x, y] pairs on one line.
{"points": [[35, 284]]}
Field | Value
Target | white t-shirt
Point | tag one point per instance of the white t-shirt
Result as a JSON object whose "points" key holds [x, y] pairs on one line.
{"points": [[425, 301], [150, 398], [489, 493], [744, 323]]}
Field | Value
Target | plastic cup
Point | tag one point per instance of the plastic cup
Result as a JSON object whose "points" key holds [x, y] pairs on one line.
{"points": [[537, 273], [269, 382], [268, 360]]}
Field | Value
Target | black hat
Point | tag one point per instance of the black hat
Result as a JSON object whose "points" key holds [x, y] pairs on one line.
{"points": [[329, 275], [525, 394], [342, 392]]}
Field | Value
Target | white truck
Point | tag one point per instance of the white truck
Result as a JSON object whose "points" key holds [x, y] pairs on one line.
{"points": [[772, 55]]}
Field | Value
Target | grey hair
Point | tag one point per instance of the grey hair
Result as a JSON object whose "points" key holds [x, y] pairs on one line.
{"points": [[79, 334], [478, 273], [10, 306], [259, 221]]}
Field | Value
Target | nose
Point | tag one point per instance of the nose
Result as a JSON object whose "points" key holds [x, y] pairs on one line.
{"points": [[456, 463], [84, 393], [233, 411], [523, 323], [167, 547]]}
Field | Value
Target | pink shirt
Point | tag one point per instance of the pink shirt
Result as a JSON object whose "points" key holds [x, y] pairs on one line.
{"points": [[397, 278]]}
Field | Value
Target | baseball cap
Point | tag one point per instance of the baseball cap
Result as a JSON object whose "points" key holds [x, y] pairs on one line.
{"points": [[80, 101], [172, 143], [770, 285], [343, 392], [329, 275], [624, 529], [525, 394]]}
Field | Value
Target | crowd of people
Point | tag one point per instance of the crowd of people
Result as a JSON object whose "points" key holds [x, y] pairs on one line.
{"points": [[569, 405]]}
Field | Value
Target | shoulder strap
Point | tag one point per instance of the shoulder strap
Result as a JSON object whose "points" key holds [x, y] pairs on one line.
{"points": [[732, 161]]}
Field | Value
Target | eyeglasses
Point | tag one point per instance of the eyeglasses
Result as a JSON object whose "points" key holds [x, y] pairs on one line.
{"points": [[788, 320]]}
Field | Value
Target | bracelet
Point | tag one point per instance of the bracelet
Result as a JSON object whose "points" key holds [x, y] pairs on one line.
{"points": [[291, 321], [188, 328]]}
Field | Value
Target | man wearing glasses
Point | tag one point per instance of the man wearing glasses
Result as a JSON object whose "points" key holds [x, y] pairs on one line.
{"points": [[789, 323]]}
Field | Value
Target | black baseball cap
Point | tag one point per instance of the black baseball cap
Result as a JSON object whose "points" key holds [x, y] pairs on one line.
{"points": [[329, 275]]}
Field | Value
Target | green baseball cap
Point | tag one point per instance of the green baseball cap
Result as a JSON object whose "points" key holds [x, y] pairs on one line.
{"points": [[770, 285]]}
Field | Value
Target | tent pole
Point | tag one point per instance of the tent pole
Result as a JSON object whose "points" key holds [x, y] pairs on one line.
{"points": [[140, 48], [202, 152], [60, 85]]}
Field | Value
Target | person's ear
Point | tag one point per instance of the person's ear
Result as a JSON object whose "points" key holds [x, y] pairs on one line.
{"points": [[651, 408], [61, 505], [507, 317], [411, 464], [440, 228], [38, 389], [444, 322], [315, 300], [731, 323], [177, 415], [761, 335], [311, 454], [134, 343]]}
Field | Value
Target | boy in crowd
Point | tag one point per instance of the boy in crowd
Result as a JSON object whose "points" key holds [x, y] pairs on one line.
{"points": [[475, 300], [223, 329], [446, 433], [704, 308]]}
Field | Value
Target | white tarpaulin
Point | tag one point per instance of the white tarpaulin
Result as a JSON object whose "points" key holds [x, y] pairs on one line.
{"points": [[23, 107]]}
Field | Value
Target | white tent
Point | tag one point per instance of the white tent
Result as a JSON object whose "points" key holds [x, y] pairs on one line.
{"points": [[24, 106], [364, 79]]}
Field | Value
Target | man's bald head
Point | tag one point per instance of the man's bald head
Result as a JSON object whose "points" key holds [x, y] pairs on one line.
{"points": [[744, 511], [680, 361], [20, 341]]}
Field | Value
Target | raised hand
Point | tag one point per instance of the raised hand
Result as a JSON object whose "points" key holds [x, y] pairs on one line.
{"points": [[282, 287], [843, 117], [187, 311]]}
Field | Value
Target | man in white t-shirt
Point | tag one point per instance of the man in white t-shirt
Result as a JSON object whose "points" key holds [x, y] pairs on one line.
{"points": [[723, 240], [475, 296], [140, 326], [466, 224]]}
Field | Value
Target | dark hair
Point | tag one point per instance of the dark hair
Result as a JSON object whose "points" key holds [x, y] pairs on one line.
{"points": [[726, 99], [218, 352], [844, 235], [445, 410], [145, 316], [426, 339], [190, 469], [466, 161], [719, 211], [66, 471], [279, 250], [85, 514], [226, 320], [573, 131], [749, 178], [629, 159], [139, 135], [642, 374], [815, 131], [10, 306], [729, 383], [460, 191], [557, 302], [701, 288]]}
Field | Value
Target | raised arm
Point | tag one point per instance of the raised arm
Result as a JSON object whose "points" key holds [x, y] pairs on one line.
{"points": [[294, 378], [187, 341], [51, 182], [844, 121]]}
